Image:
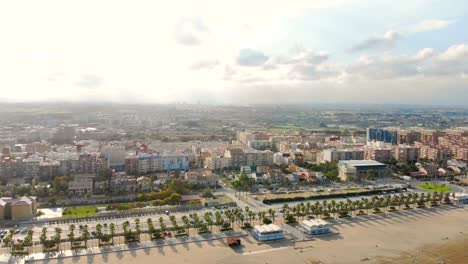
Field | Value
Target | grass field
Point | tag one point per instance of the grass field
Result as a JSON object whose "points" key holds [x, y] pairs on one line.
{"points": [[79, 211], [435, 187]]}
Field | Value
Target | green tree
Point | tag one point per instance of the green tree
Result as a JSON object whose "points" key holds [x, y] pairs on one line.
{"points": [[71, 234], [85, 235], [207, 193], [112, 231], [178, 186]]}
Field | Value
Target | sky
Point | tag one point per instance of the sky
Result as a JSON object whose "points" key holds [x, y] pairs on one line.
{"points": [[235, 52]]}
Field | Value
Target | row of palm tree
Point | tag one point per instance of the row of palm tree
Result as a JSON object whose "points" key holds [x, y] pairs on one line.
{"points": [[243, 218], [347, 208]]}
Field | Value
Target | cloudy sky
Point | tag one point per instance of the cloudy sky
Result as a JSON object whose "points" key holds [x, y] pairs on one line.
{"points": [[236, 52]]}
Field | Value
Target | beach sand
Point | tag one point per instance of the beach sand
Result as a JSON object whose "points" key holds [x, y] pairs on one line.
{"points": [[431, 236]]}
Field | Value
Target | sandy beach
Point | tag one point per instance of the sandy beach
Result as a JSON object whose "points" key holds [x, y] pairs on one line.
{"points": [[430, 236]]}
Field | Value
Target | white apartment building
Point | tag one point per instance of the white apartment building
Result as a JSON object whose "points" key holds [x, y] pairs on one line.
{"points": [[335, 155], [217, 162]]}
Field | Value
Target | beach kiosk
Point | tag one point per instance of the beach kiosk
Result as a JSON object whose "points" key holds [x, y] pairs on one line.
{"points": [[267, 232], [316, 226]]}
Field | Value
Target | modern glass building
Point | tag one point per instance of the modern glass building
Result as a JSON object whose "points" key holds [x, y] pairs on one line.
{"points": [[382, 134]]}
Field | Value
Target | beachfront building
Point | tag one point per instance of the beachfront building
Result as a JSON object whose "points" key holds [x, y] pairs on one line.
{"points": [[356, 170], [268, 232], [316, 227]]}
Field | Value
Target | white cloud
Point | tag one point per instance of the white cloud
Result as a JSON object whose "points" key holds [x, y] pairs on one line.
{"points": [[387, 41], [433, 24], [189, 31], [250, 57]]}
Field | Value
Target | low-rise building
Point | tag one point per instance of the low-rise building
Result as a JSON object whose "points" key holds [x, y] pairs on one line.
{"points": [[144, 184], [316, 226], [357, 170], [17, 209], [267, 232], [81, 184], [202, 177], [123, 184]]}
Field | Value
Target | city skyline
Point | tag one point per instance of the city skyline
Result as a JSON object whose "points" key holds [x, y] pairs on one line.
{"points": [[241, 54]]}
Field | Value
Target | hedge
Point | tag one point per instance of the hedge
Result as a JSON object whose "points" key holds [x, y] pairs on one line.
{"points": [[331, 195]]}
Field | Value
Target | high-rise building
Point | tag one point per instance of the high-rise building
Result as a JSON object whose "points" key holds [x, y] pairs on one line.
{"points": [[382, 134]]}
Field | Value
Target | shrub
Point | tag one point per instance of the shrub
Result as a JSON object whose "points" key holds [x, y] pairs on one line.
{"points": [[267, 221]]}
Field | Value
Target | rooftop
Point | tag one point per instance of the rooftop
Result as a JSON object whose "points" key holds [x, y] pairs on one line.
{"points": [[361, 163], [268, 228], [315, 222]]}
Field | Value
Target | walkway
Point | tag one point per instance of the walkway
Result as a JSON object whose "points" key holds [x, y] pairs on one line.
{"points": [[123, 247]]}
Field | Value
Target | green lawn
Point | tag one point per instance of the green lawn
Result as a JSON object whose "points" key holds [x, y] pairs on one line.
{"points": [[79, 211], [435, 187]]}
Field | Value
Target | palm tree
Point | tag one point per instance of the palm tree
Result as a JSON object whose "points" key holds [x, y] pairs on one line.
{"points": [[219, 219], [162, 225], [232, 219], [43, 237], [71, 234], [271, 212], [58, 236], [252, 216], [85, 235], [138, 228], [8, 240], [112, 232], [150, 226], [186, 223], [208, 220], [99, 232], [29, 239]]}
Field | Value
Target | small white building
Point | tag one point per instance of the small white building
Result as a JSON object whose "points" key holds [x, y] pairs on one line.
{"points": [[316, 226], [267, 232]]}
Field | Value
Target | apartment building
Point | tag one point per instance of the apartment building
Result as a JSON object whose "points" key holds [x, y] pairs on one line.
{"points": [[378, 154], [217, 162], [406, 153], [335, 155], [236, 155], [81, 184], [145, 163], [408, 137]]}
